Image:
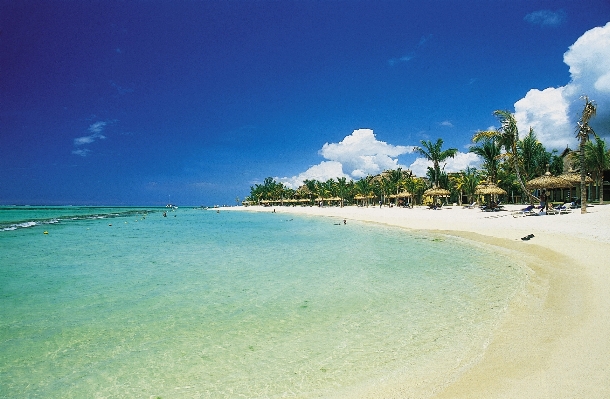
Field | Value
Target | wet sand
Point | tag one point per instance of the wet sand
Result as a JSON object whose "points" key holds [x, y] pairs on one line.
{"points": [[554, 341]]}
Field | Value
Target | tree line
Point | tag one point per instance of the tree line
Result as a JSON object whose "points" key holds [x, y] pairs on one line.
{"points": [[507, 161]]}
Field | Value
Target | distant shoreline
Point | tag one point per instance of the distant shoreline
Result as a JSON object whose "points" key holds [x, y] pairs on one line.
{"points": [[553, 342]]}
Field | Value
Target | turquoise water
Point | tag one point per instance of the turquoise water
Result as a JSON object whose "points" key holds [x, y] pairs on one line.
{"points": [[128, 303]]}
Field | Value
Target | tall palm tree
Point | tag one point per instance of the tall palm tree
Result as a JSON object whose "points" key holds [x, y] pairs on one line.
{"points": [[533, 157], [490, 151], [597, 159], [582, 134], [434, 152], [507, 136]]}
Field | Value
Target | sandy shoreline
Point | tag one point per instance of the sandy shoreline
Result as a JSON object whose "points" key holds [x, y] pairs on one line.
{"points": [[553, 342]]}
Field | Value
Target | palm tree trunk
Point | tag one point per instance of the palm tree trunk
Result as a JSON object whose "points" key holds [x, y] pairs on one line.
{"points": [[514, 157], [583, 175], [531, 197]]}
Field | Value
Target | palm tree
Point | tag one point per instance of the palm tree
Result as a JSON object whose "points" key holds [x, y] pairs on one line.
{"points": [[597, 159], [434, 153], [364, 188], [582, 134], [416, 186], [466, 182], [490, 151], [342, 188], [507, 136], [533, 157], [396, 180]]}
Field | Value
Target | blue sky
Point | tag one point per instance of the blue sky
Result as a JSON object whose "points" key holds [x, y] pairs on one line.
{"points": [[145, 102]]}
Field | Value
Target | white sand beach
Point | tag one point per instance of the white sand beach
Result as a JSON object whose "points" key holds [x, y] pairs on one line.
{"points": [[554, 341]]}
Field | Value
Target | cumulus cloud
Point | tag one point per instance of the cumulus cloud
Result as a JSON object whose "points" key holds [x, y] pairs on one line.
{"points": [[546, 18], [96, 129], [362, 154], [419, 167], [323, 171], [553, 112], [357, 155]]}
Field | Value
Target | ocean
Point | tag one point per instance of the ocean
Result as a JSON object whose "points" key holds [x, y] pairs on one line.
{"points": [[126, 302]]}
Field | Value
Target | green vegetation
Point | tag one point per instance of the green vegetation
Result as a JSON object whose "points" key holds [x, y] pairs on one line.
{"points": [[507, 161]]}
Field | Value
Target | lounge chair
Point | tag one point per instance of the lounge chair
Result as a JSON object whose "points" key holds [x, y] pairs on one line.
{"points": [[552, 210], [564, 208], [471, 206], [527, 211]]}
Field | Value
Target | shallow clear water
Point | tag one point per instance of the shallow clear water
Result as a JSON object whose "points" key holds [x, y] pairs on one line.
{"points": [[235, 304]]}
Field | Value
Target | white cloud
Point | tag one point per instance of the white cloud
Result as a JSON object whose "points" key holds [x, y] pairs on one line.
{"points": [[446, 124], [84, 140], [81, 152], [361, 153], [546, 17], [419, 167], [546, 112], [323, 171], [553, 112], [357, 155], [97, 127], [96, 130]]}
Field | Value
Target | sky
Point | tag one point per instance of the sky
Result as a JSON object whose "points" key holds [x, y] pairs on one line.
{"points": [[193, 102]]}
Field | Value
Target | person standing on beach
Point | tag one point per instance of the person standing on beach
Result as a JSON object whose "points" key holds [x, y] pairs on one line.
{"points": [[543, 201]]}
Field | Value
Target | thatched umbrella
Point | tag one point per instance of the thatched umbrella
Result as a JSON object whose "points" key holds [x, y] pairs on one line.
{"points": [[489, 189], [404, 194], [437, 192], [547, 181], [574, 179]]}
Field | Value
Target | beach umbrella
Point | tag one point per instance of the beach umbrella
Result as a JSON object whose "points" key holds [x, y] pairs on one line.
{"points": [[547, 181], [574, 178], [489, 188], [404, 194], [437, 192]]}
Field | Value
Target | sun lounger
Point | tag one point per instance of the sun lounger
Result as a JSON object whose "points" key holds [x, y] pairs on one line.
{"points": [[552, 210], [527, 211], [471, 206], [564, 209]]}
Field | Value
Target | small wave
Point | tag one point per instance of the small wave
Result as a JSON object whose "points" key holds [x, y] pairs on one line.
{"points": [[23, 225], [14, 225]]}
